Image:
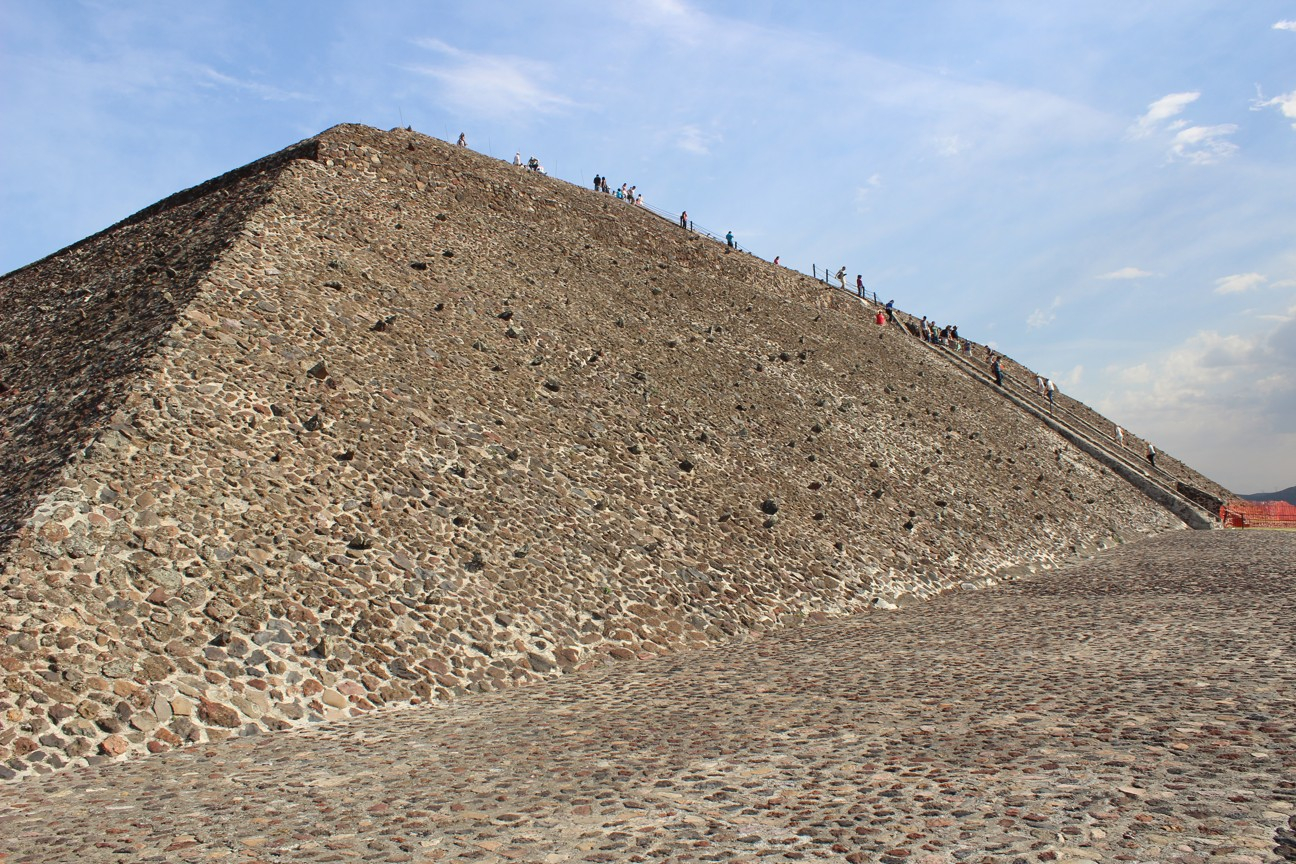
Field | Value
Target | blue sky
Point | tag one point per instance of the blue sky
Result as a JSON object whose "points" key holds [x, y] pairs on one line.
{"points": [[1106, 193]]}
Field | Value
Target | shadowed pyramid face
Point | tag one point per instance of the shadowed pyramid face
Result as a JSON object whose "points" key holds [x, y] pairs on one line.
{"points": [[379, 419]]}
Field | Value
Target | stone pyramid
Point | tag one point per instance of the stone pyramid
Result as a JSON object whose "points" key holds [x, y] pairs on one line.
{"points": [[379, 421]]}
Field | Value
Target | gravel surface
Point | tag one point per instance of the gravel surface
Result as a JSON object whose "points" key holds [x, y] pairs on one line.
{"points": [[1137, 707]]}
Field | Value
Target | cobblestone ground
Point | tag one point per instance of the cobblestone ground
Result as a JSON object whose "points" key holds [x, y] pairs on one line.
{"points": [[1140, 706]]}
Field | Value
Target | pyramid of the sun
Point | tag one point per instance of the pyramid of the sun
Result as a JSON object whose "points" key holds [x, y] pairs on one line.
{"points": [[378, 420]]}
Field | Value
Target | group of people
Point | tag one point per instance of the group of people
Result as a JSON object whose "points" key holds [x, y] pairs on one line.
{"points": [[1151, 451], [625, 193], [840, 276], [1046, 387], [946, 337], [532, 164], [928, 331]]}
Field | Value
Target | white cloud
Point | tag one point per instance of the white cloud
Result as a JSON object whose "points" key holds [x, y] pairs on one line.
{"points": [[1160, 111], [1197, 145], [677, 20], [264, 91], [1204, 145], [1044, 317], [865, 192], [1220, 400], [1127, 273], [950, 145], [1285, 25], [1238, 283], [492, 85], [1286, 103], [691, 139], [1040, 318]]}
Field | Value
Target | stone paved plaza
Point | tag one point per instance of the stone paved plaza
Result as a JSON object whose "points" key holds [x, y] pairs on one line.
{"points": [[1139, 706]]}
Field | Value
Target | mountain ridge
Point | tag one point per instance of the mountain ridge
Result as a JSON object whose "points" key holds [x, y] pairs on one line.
{"points": [[1288, 495]]}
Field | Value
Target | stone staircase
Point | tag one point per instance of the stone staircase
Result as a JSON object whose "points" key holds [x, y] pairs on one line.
{"points": [[1158, 484], [1183, 500]]}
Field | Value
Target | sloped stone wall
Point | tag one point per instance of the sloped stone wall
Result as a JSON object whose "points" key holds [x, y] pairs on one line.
{"points": [[432, 425], [81, 325]]}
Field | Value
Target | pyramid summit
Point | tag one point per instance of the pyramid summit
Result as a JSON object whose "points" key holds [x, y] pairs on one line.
{"points": [[377, 420]]}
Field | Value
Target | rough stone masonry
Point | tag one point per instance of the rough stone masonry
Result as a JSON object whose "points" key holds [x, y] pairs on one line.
{"points": [[378, 421]]}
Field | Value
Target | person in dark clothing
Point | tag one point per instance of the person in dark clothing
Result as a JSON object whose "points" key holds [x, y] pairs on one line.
{"points": [[684, 219], [598, 183], [998, 371]]}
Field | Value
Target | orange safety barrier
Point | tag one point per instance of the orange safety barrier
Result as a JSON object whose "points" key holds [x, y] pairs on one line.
{"points": [[1258, 514]]}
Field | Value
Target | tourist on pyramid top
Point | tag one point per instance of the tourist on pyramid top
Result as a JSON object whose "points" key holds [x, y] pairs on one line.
{"points": [[1151, 454], [859, 284], [729, 239], [463, 140], [776, 259], [841, 277], [1120, 436], [606, 189], [517, 159], [684, 219], [598, 183], [639, 199]]}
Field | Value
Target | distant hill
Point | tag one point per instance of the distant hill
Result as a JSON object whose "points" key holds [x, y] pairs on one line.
{"points": [[1288, 495]]}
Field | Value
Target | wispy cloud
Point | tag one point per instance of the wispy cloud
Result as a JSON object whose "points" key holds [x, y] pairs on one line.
{"points": [[950, 145], [263, 91], [693, 139], [1285, 25], [1160, 111], [1204, 145], [677, 20], [1197, 145], [1238, 282], [1286, 103], [494, 85], [1044, 317], [1127, 273], [864, 192]]}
